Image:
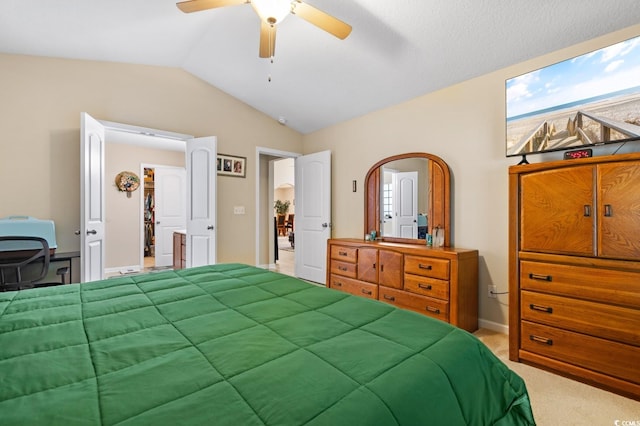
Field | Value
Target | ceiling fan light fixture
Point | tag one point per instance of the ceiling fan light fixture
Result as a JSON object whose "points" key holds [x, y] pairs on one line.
{"points": [[272, 11]]}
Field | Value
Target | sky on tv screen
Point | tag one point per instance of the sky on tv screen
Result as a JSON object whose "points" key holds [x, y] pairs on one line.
{"points": [[613, 69]]}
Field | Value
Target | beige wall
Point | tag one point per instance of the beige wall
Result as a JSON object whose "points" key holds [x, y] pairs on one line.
{"points": [[465, 125], [286, 193], [42, 99]]}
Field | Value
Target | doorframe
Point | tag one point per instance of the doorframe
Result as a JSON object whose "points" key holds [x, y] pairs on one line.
{"points": [[261, 233], [144, 136]]}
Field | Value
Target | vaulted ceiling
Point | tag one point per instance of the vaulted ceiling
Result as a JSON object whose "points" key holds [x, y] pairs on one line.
{"points": [[398, 49]]}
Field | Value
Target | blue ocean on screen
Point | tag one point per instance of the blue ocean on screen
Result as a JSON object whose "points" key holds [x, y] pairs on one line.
{"points": [[611, 95]]}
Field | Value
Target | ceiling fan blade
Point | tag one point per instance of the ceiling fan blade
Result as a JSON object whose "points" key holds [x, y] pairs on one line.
{"points": [[198, 5], [321, 19], [267, 39]]}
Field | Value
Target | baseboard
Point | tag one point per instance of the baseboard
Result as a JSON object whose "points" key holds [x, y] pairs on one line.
{"points": [[267, 266], [493, 326], [123, 270]]}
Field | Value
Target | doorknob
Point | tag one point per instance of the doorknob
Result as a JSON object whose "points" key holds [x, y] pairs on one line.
{"points": [[158, 223], [77, 232], [324, 225], [92, 232], [210, 227]]}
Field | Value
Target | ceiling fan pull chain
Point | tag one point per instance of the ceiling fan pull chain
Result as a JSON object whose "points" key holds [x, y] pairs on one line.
{"points": [[272, 50]]}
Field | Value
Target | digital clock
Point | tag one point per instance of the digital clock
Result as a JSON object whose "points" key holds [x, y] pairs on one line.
{"points": [[578, 153]]}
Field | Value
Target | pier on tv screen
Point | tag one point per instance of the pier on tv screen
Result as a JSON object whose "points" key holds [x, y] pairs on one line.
{"points": [[589, 100]]}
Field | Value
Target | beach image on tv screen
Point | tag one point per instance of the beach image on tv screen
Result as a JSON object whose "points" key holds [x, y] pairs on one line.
{"points": [[588, 100]]}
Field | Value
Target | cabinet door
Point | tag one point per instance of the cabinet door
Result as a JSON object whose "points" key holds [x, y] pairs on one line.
{"points": [[368, 264], [390, 273], [177, 264], [619, 210], [557, 211]]}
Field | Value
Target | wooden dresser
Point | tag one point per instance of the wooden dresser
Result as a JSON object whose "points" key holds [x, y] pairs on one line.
{"points": [[574, 269], [439, 282]]}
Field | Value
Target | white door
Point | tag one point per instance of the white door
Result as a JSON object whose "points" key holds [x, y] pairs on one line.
{"points": [[405, 204], [92, 199], [170, 203], [201, 201], [313, 215]]}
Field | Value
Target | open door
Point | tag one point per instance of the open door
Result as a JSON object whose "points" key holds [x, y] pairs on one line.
{"points": [[201, 201], [200, 185], [92, 199], [405, 204], [171, 210], [313, 215]]}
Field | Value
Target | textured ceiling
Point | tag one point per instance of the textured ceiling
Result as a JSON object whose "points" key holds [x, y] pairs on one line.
{"points": [[398, 49]]}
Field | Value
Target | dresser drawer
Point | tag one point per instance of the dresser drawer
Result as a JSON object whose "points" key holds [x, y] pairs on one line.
{"points": [[597, 284], [425, 305], [346, 254], [604, 356], [358, 288], [427, 267], [343, 268], [427, 286], [595, 319]]}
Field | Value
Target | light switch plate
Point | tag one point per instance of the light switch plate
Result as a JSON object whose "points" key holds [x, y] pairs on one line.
{"points": [[238, 209]]}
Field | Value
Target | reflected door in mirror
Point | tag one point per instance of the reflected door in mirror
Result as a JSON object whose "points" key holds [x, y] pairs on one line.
{"points": [[400, 203]]}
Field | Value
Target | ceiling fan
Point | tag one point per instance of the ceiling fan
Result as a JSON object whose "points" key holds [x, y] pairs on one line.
{"points": [[272, 12]]}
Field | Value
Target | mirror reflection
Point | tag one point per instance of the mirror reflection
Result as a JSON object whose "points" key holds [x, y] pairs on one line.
{"points": [[403, 200], [407, 197]]}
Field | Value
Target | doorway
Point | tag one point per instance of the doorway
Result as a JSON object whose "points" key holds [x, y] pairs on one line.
{"points": [[148, 219], [284, 215], [266, 225], [197, 155], [312, 217]]}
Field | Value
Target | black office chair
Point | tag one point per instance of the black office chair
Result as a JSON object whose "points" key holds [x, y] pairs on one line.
{"points": [[289, 224], [24, 263]]}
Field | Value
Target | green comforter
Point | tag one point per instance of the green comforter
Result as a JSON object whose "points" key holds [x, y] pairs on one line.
{"points": [[237, 345]]}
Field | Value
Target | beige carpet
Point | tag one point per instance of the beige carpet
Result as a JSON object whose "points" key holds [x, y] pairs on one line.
{"points": [[558, 401]]}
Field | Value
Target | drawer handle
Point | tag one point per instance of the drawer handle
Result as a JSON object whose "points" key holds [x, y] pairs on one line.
{"points": [[540, 277], [425, 286], [367, 292], [389, 297], [427, 267], [547, 309], [342, 268], [337, 283], [587, 210], [434, 310], [608, 211], [342, 253], [539, 339]]}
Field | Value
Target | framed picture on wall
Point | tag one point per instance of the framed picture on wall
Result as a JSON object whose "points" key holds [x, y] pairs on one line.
{"points": [[231, 165]]}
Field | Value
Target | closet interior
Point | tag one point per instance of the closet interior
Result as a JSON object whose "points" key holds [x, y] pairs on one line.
{"points": [[149, 216]]}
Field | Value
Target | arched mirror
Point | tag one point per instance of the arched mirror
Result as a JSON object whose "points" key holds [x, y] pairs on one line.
{"points": [[407, 196]]}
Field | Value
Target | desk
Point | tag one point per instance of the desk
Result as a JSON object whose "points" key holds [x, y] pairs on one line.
{"points": [[69, 259]]}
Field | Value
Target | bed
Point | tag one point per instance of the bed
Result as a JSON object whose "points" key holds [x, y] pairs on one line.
{"points": [[232, 344]]}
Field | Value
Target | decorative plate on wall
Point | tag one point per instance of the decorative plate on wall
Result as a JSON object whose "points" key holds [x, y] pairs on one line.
{"points": [[127, 182]]}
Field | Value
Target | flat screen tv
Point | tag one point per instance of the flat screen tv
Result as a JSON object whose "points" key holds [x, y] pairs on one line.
{"points": [[589, 100]]}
